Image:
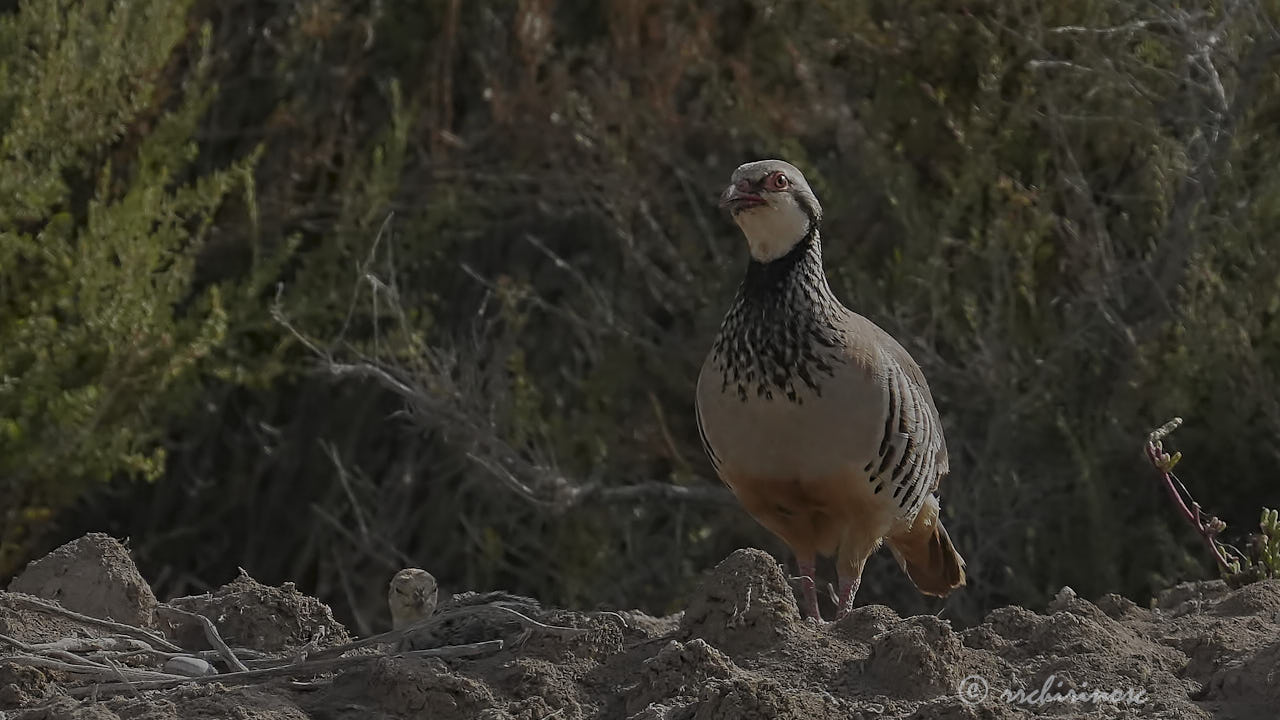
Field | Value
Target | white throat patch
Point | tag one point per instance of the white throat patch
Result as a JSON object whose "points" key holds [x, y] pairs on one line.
{"points": [[773, 229]]}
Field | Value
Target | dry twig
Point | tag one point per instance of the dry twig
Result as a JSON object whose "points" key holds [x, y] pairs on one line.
{"points": [[92, 669], [45, 606], [309, 667], [435, 390], [431, 622], [210, 632]]}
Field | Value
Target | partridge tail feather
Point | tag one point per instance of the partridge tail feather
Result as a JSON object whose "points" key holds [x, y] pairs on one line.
{"points": [[927, 556]]}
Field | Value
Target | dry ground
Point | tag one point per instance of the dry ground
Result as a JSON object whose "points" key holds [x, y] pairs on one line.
{"points": [[739, 650]]}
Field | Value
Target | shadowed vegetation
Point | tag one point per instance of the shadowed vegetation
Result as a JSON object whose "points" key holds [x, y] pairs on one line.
{"points": [[237, 247]]}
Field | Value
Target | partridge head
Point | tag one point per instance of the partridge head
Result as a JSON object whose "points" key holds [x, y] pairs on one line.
{"points": [[772, 203]]}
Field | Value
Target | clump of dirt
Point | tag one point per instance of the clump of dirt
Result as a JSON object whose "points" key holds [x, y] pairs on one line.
{"points": [[864, 623], [917, 658], [21, 685], [250, 614], [677, 675], [93, 575], [744, 603], [429, 687], [1260, 598], [739, 650]]}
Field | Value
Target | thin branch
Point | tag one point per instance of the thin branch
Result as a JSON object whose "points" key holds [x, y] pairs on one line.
{"points": [[344, 479], [18, 644], [308, 667], [1129, 27], [37, 604], [432, 622], [210, 632], [123, 678], [701, 493], [97, 671], [553, 489], [557, 630]]}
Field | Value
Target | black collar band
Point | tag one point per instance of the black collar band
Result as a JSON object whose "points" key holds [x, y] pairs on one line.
{"points": [[766, 277]]}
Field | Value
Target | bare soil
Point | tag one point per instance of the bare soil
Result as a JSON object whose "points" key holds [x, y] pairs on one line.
{"points": [[738, 651]]}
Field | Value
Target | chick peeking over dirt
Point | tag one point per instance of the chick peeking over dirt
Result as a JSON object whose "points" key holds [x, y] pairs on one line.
{"points": [[411, 597]]}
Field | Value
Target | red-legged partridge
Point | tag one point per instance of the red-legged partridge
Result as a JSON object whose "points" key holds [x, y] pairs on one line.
{"points": [[819, 421]]}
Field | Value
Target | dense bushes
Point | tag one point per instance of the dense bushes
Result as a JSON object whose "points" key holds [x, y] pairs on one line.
{"points": [[1066, 213], [102, 332]]}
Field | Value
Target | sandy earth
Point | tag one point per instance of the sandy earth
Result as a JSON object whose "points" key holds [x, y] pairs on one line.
{"points": [[739, 650]]}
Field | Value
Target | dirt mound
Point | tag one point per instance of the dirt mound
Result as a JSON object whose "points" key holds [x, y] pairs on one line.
{"points": [[93, 575], [744, 603], [253, 615], [739, 650]]}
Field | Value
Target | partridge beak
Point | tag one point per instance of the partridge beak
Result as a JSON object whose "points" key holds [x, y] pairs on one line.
{"points": [[739, 197]]}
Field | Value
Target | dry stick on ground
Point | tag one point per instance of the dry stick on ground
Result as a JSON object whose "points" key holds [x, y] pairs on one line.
{"points": [[49, 655], [72, 658], [18, 644], [63, 649], [159, 657], [94, 670], [134, 680], [1207, 526], [52, 653], [123, 679], [210, 632], [309, 667], [557, 630], [35, 603], [113, 644], [433, 621]]}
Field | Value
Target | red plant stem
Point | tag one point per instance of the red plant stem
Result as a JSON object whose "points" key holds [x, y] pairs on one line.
{"points": [[1191, 515]]}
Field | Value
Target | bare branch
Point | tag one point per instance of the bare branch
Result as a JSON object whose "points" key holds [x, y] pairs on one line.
{"points": [[37, 604], [308, 668], [210, 633], [434, 396]]}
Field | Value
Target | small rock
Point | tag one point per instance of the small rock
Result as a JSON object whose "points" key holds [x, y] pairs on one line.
{"points": [[188, 666], [1063, 600]]}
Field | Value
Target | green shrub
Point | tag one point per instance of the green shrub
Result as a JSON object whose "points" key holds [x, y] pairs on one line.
{"points": [[102, 330]]}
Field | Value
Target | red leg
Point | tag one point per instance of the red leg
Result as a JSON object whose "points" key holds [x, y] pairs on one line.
{"points": [[808, 588], [851, 559], [848, 588]]}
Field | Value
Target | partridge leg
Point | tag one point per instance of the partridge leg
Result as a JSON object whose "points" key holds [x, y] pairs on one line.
{"points": [[850, 560], [808, 588], [848, 588]]}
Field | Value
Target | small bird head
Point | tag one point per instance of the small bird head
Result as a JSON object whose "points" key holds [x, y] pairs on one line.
{"points": [[773, 205], [411, 597]]}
